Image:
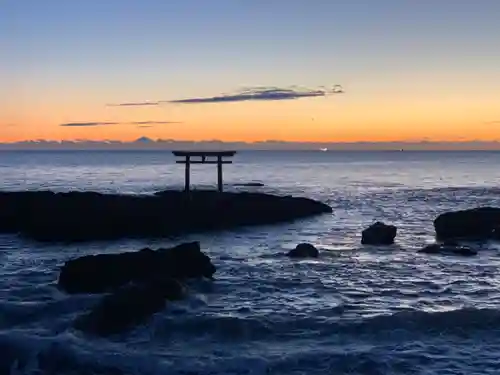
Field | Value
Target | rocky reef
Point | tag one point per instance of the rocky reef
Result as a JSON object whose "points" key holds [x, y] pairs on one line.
{"points": [[303, 250], [476, 224], [379, 234], [449, 249], [87, 216], [128, 307], [138, 284], [104, 272]]}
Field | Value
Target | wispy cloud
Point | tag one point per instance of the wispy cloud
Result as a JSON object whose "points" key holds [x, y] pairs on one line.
{"points": [[134, 104], [263, 94], [144, 123], [492, 122], [84, 124], [145, 126], [250, 94]]}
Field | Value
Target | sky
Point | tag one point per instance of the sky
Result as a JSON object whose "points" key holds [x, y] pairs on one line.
{"points": [[250, 70]]}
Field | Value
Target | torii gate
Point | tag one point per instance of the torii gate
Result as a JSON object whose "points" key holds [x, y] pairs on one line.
{"points": [[203, 157]]}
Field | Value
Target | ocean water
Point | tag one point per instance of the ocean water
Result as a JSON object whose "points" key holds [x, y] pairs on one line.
{"points": [[355, 310]]}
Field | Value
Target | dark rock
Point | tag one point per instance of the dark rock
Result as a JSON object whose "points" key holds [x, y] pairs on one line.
{"points": [[304, 250], [474, 224], [448, 249], [129, 306], [88, 216], [250, 184], [104, 272], [141, 282], [379, 234]]}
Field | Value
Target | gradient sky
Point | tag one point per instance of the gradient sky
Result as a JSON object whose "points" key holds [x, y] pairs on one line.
{"points": [[411, 69]]}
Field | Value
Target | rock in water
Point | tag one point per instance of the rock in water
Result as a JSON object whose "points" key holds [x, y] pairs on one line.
{"points": [[379, 234], [448, 249], [103, 272], [89, 216], [129, 306], [475, 224], [304, 250], [249, 184]]}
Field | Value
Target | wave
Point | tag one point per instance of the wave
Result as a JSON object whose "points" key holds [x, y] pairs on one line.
{"points": [[24, 352], [185, 318], [28, 355], [487, 190], [14, 314], [453, 322]]}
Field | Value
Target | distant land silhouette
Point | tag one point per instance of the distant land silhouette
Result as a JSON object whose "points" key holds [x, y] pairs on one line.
{"points": [[145, 143]]}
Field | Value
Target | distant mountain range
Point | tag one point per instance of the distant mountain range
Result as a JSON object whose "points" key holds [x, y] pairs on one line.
{"points": [[145, 143]]}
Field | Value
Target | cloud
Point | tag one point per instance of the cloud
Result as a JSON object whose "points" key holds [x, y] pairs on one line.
{"points": [[134, 104], [84, 124], [493, 122], [250, 94], [145, 126], [148, 123], [263, 94]]}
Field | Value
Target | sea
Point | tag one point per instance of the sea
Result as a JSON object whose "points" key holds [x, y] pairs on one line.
{"points": [[354, 310]]}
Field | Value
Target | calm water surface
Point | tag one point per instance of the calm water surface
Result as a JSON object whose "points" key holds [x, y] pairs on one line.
{"points": [[355, 310]]}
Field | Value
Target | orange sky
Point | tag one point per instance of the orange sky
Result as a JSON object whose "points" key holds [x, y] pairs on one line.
{"points": [[348, 117]]}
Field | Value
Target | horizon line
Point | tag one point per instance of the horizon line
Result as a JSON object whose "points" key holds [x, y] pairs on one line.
{"points": [[145, 144], [145, 140]]}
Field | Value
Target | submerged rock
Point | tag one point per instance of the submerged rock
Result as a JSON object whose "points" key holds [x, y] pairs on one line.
{"points": [[448, 249], [379, 234], [481, 223], [103, 272], [129, 306], [304, 250], [89, 216], [249, 184], [140, 283]]}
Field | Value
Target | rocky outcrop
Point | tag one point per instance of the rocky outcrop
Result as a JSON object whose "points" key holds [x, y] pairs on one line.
{"points": [[475, 224], [379, 234], [139, 284], [448, 249], [303, 250], [129, 306], [88, 216], [104, 272], [249, 184]]}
